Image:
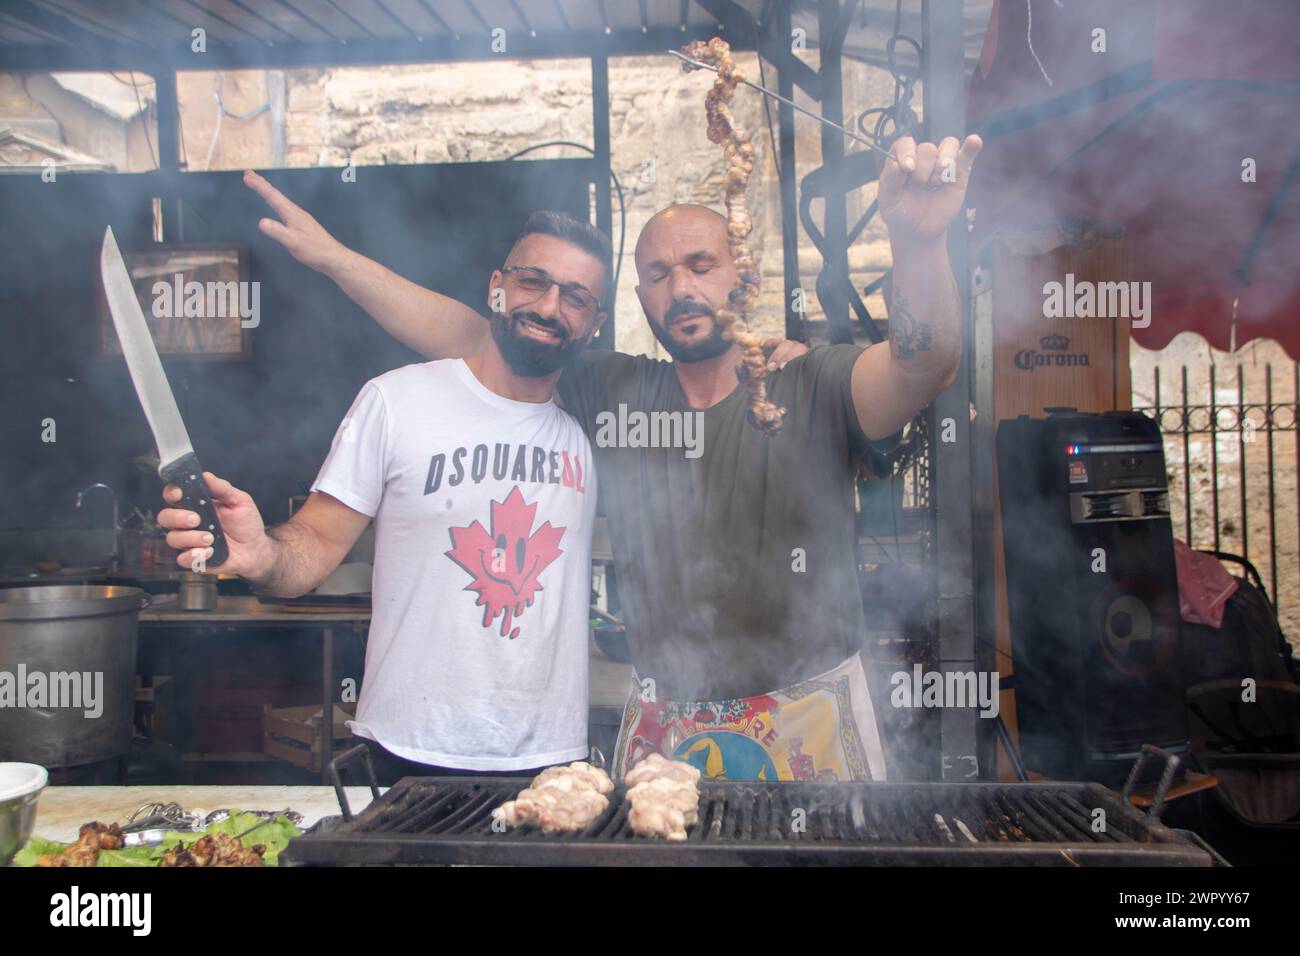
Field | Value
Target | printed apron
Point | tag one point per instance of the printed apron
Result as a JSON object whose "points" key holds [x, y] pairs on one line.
{"points": [[821, 729]]}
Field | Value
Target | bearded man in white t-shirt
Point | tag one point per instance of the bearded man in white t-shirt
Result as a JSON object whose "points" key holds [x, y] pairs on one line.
{"points": [[483, 496]]}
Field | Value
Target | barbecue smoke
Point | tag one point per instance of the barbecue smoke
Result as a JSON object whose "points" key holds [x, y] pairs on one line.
{"points": [[1217, 118]]}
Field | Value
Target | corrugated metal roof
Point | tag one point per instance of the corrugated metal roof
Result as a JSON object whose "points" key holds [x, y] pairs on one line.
{"points": [[95, 34], [156, 23]]}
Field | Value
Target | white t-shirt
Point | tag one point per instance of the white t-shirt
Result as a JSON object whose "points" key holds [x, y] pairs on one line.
{"points": [[483, 508]]}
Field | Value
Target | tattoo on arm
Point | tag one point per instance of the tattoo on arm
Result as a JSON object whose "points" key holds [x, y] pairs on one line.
{"points": [[907, 335]]}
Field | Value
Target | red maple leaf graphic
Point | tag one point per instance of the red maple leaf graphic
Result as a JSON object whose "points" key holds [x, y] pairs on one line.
{"points": [[505, 563]]}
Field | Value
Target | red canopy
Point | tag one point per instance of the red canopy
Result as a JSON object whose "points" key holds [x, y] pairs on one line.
{"points": [[1151, 135]]}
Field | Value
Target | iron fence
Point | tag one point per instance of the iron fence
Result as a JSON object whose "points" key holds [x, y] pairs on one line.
{"points": [[1251, 463]]}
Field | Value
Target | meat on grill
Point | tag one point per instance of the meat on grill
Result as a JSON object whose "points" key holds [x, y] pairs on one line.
{"points": [[665, 797], [592, 778], [655, 766], [763, 414], [559, 799], [664, 807]]}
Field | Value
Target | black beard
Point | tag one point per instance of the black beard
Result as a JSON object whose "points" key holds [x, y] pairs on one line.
{"points": [[526, 356], [710, 347]]}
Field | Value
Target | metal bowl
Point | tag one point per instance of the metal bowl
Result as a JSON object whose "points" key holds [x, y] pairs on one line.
{"points": [[198, 592], [20, 785]]}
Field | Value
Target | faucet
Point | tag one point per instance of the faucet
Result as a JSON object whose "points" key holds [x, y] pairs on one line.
{"points": [[81, 496]]}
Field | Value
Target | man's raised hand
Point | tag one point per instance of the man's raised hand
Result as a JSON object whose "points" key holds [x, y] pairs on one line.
{"points": [[923, 188], [304, 238]]}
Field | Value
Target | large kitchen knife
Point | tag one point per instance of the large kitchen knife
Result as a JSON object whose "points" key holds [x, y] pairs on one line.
{"points": [[177, 463]]}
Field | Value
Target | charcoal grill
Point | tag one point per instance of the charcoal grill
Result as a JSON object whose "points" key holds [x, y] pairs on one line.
{"points": [[447, 820]]}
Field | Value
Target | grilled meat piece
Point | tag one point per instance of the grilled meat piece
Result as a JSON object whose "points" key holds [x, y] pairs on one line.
{"points": [[592, 778], [232, 852], [219, 849], [178, 856], [653, 818], [75, 855], [656, 766], [665, 797], [559, 799], [679, 795], [100, 835], [567, 811], [91, 838], [722, 129]]}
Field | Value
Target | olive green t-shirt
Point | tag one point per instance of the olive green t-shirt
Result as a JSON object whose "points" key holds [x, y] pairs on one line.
{"points": [[736, 569]]}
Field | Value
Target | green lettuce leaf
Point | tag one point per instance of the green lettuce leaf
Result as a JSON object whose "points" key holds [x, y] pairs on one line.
{"points": [[34, 848], [274, 835]]}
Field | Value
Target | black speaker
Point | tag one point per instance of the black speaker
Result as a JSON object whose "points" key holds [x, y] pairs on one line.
{"points": [[1092, 592]]}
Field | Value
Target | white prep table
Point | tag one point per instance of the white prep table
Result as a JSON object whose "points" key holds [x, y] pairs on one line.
{"points": [[61, 811]]}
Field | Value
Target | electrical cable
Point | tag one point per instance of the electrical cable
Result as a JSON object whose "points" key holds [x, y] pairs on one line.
{"points": [[145, 123], [899, 119], [618, 188], [222, 112], [180, 133], [216, 129]]}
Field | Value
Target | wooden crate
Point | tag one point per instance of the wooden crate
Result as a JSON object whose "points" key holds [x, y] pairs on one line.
{"points": [[294, 733]]}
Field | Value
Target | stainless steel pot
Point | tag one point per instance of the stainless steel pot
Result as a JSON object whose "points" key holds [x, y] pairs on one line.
{"points": [[67, 672]]}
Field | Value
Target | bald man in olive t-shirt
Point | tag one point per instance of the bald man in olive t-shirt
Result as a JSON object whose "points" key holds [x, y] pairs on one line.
{"points": [[736, 570]]}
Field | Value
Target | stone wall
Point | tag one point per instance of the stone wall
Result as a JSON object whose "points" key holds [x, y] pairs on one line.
{"points": [[467, 112]]}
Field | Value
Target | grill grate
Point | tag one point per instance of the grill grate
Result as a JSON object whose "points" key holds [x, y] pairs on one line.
{"points": [[448, 820]]}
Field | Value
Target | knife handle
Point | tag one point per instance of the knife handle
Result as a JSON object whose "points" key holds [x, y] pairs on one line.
{"points": [[187, 474]]}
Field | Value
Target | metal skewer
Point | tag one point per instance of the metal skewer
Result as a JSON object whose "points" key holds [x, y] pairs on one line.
{"points": [[776, 96], [257, 826]]}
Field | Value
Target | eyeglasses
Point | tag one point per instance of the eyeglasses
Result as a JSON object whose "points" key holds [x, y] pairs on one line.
{"points": [[575, 301]]}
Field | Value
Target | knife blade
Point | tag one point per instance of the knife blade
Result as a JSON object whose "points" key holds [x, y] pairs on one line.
{"points": [[177, 463]]}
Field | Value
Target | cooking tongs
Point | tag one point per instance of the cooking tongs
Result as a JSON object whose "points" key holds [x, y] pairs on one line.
{"points": [[150, 822]]}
